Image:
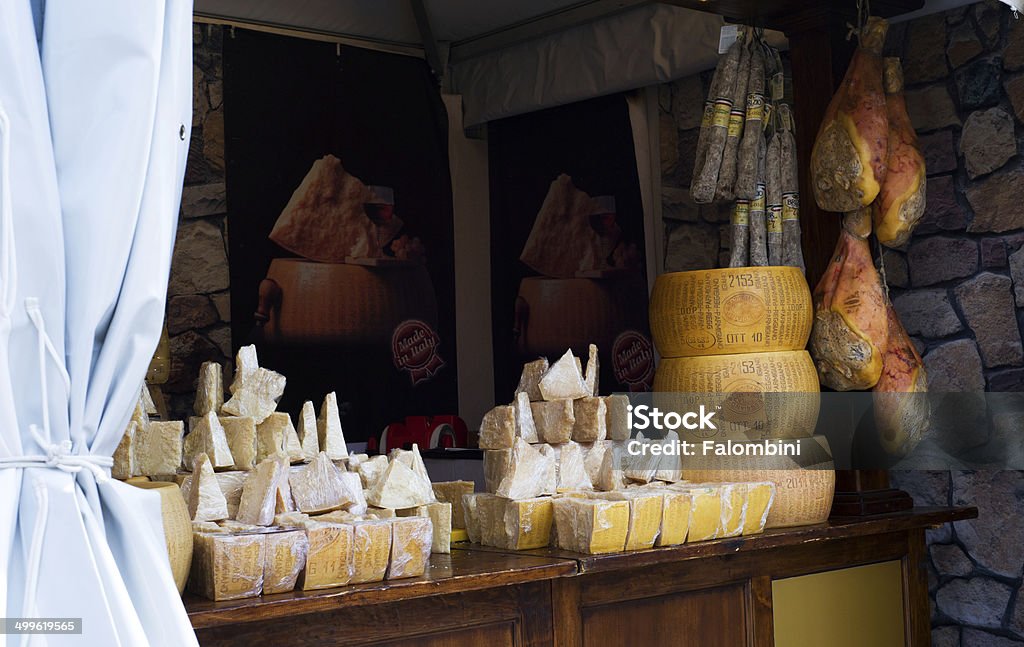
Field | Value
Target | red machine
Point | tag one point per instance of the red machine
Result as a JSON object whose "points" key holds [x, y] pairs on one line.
{"points": [[426, 431]]}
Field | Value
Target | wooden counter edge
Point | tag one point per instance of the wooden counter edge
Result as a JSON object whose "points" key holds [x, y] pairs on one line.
{"points": [[517, 569]]}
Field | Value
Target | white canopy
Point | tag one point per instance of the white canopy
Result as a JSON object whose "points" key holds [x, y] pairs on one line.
{"points": [[95, 108]]}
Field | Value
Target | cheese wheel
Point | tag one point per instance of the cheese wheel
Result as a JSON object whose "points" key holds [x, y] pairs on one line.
{"points": [[757, 395], [177, 528], [732, 310]]}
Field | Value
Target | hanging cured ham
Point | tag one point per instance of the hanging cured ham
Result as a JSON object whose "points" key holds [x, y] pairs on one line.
{"points": [[851, 330], [848, 162], [900, 203], [901, 408]]}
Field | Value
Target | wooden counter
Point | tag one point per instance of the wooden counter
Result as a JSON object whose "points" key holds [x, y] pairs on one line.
{"points": [[704, 594]]}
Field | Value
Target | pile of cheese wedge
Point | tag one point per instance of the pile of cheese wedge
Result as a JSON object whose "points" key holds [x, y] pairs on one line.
{"points": [[557, 473], [275, 507]]}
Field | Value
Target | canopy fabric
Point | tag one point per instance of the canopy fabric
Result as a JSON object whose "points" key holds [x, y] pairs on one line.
{"points": [[95, 113]]}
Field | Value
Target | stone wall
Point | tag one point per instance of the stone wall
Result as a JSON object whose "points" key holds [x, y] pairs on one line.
{"points": [[958, 285], [198, 305]]}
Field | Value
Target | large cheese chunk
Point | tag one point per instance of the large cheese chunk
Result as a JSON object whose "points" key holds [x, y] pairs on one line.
{"points": [[572, 471], [549, 484], [640, 467], [610, 475], [242, 441], [734, 509], [284, 558], [526, 524], [400, 487], [206, 500], [593, 373], [496, 466], [554, 420], [124, 456], [451, 492], [292, 444], [593, 458], [317, 487], [590, 420], [231, 484], [307, 432], [372, 550], [563, 381], [371, 470], [257, 396], [645, 516], [207, 436], [210, 389], [290, 519], [485, 515], [675, 517], [529, 475], [498, 428], [328, 429], [525, 427], [353, 493], [227, 566], [670, 467], [413, 460], [374, 512], [591, 526], [617, 416], [705, 511], [440, 515], [529, 382], [259, 494], [272, 435], [330, 557], [246, 365], [760, 497], [411, 539]]}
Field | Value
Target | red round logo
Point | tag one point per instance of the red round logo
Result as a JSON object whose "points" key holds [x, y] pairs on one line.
{"points": [[414, 347], [633, 360]]}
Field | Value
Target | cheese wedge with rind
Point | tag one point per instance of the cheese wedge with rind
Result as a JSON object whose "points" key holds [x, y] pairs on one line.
{"points": [[554, 420], [372, 550], [400, 487], [591, 419], [124, 456], [440, 514], [242, 441], [645, 515], [593, 373], [760, 497], [207, 437], [411, 539], [530, 473], [307, 432], [525, 427], [591, 526], [617, 417], [227, 566], [284, 560], [328, 429], [527, 523], [330, 557], [257, 505], [258, 395], [529, 381], [498, 428], [210, 389], [317, 487], [206, 500], [675, 518], [451, 492]]}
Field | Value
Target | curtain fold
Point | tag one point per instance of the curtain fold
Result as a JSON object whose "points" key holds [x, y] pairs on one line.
{"points": [[98, 99]]}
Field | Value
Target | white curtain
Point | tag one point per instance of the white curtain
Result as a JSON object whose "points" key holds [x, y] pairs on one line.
{"points": [[95, 114]]}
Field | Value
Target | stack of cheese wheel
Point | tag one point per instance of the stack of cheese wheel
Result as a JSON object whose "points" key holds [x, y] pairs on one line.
{"points": [[738, 335]]}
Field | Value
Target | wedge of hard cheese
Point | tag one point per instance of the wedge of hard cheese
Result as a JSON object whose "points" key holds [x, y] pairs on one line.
{"points": [[329, 562], [591, 526], [307, 432], [451, 492], [400, 487], [328, 429], [440, 515], [645, 515], [210, 389], [227, 566], [675, 517], [317, 487], [554, 420], [284, 559], [590, 416], [530, 473], [207, 437], [158, 448], [242, 441], [206, 501], [529, 382], [411, 539], [372, 550], [258, 503], [498, 428], [563, 380]]}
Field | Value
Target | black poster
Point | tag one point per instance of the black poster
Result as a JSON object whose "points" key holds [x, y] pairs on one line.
{"points": [[340, 226], [567, 243]]}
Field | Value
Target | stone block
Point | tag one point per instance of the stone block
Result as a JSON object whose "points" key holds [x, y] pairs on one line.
{"points": [[938, 151], [1015, 91], [963, 44], [989, 308], [928, 313], [942, 210], [201, 200], [979, 638], [200, 262], [691, 247], [950, 560], [189, 312], [998, 202], [668, 137], [947, 636], [954, 366], [940, 258], [994, 540], [993, 253], [895, 268], [687, 102], [1013, 53], [1008, 381], [925, 37], [987, 141], [979, 601], [979, 84], [931, 108]]}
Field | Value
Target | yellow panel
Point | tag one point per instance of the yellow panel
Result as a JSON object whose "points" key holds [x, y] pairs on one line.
{"points": [[851, 607]]}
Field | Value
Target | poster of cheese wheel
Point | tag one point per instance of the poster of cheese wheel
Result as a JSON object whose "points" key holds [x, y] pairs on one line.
{"points": [[340, 226], [567, 253]]}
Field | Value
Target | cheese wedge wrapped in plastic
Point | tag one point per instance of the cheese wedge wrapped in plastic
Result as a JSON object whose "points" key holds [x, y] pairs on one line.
{"points": [[272, 435], [242, 441], [451, 492], [734, 509], [760, 497], [210, 389], [231, 484], [158, 448], [611, 476], [563, 381], [529, 381], [372, 469], [498, 428], [353, 492], [284, 559], [372, 550], [308, 438], [258, 503], [645, 515], [530, 473], [206, 501], [525, 427], [496, 466], [675, 517], [670, 467], [554, 420], [257, 396], [411, 539], [440, 515], [640, 468], [330, 555], [400, 487], [593, 373], [317, 487], [591, 526], [572, 472], [227, 566], [328, 429], [705, 511], [591, 419], [207, 437], [414, 461], [526, 524]]}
